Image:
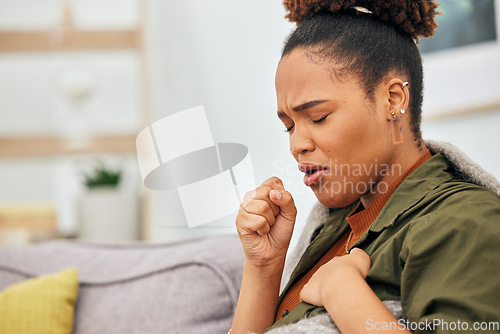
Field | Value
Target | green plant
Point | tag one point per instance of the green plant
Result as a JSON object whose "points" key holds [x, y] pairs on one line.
{"points": [[102, 176]]}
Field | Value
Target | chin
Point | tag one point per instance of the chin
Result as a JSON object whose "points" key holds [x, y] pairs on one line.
{"points": [[335, 200]]}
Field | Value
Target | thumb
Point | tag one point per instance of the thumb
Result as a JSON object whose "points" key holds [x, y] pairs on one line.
{"points": [[363, 260], [284, 200]]}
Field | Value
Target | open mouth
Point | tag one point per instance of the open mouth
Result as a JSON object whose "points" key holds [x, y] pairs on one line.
{"points": [[313, 173]]}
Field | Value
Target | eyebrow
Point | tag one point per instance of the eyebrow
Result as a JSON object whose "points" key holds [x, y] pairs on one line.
{"points": [[302, 107]]}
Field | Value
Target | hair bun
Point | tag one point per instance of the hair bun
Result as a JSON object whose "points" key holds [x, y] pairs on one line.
{"points": [[415, 17]]}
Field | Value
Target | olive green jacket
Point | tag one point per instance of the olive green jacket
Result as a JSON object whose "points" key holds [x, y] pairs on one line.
{"points": [[435, 246]]}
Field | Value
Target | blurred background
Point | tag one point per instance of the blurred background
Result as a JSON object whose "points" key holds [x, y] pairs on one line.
{"points": [[79, 79]]}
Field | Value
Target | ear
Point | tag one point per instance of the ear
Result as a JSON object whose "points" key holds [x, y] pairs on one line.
{"points": [[398, 96]]}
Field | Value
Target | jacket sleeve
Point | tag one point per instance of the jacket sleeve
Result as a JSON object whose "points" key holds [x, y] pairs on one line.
{"points": [[451, 263]]}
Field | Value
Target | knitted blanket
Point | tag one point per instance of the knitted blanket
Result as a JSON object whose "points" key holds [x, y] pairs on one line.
{"points": [[322, 324]]}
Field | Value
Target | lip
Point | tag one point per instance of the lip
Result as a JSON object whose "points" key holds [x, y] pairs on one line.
{"points": [[311, 178], [307, 166]]}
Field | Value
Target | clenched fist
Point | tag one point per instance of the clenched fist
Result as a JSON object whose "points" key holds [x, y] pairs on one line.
{"points": [[265, 223]]}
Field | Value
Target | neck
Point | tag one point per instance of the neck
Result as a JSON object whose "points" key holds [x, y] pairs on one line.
{"points": [[404, 158]]}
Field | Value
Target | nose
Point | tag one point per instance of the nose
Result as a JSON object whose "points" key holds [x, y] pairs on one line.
{"points": [[300, 141]]}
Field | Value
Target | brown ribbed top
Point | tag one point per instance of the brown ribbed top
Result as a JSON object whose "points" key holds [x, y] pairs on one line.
{"points": [[359, 221]]}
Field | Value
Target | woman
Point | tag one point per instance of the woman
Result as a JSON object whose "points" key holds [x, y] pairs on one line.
{"points": [[403, 225]]}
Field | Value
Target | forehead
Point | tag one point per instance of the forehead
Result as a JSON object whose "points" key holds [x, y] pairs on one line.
{"points": [[299, 77]]}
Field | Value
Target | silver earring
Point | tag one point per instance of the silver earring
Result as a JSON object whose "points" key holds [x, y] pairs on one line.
{"points": [[393, 115], [405, 84], [402, 111]]}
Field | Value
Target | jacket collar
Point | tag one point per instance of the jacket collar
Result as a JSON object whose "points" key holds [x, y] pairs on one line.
{"points": [[412, 190]]}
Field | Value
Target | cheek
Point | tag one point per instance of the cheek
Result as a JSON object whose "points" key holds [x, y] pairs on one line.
{"points": [[365, 134], [347, 135]]}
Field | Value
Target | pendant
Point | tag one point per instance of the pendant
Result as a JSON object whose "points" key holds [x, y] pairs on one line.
{"points": [[397, 131]]}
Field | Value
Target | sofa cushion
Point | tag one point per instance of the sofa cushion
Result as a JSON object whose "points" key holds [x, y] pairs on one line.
{"points": [[40, 305], [184, 287]]}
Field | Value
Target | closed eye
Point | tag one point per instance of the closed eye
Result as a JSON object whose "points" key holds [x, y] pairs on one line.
{"points": [[320, 120], [314, 121]]}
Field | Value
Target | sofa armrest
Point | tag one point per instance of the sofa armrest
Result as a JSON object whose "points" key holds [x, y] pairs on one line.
{"points": [[185, 287]]}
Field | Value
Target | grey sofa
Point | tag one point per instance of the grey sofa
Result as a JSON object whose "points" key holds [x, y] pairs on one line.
{"points": [[185, 287]]}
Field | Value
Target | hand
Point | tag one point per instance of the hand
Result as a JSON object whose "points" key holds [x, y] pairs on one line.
{"points": [[265, 223], [332, 274]]}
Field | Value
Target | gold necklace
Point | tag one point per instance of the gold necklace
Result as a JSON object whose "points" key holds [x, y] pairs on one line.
{"points": [[347, 244]]}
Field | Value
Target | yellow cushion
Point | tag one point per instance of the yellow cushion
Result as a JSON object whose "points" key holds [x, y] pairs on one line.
{"points": [[40, 305]]}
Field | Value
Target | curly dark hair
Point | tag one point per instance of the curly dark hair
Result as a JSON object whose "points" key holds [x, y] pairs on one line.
{"points": [[368, 45]]}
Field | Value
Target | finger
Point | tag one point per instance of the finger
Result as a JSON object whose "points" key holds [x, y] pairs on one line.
{"points": [[261, 193], [260, 208], [307, 296], [363, 260], [301, 293], [250, 223], [359, 253], [264, 229], [274, 182], [249, 196], [284, 200], [354, 250]]}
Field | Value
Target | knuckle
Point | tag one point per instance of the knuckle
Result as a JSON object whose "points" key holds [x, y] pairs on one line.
{"points": [[250, 194], [241, 222], [241, 211], [271, 179], [244, 207], [273, 182], [263, 206], [264, 189], [256, 223], [261, 221], [289, 196], [274, 179], [286, 195], [264, 229], [255, 194]]}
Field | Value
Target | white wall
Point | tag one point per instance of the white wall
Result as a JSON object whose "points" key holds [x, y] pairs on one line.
{"points": [[32, 84], [34, 102], [476, 134], [222, 54], [463, 78], [457, 82]]}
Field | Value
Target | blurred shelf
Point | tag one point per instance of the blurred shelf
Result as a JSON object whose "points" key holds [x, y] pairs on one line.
{"points": [[22, 223], [26, 41], [443, 113], [12, 147], [68, 37]]}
